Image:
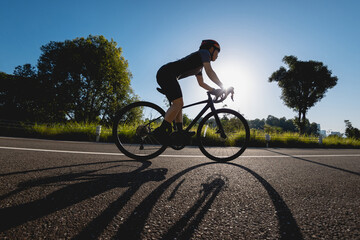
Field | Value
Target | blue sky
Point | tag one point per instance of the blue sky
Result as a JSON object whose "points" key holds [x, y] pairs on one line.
{"points": [[254, 36]]}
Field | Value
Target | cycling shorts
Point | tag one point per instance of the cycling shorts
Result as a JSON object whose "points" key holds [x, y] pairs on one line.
{"points": [[168, 81]]}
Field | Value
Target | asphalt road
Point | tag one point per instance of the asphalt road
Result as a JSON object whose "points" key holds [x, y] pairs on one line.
{"points": [[79, 190]]}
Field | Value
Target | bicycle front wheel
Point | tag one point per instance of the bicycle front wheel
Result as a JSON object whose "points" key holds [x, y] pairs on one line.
{"points": [[220, 148], [133, 127]]}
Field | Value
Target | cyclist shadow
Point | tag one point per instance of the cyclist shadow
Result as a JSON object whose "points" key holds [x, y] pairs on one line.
{"points": [[183, 229], [88, 184], [135, 223]]}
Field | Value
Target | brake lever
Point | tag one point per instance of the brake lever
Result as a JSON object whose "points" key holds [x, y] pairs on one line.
{"points": [[230, 90]]}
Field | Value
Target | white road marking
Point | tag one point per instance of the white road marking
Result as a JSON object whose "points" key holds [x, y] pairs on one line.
{"points": [[60, 151], [178, 156]]}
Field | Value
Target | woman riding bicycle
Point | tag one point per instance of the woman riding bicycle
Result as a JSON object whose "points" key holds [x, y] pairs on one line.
{"points": [[168, 76]]}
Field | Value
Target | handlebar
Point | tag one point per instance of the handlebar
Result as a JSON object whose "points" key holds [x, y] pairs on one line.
{"points": [[221, 94]]}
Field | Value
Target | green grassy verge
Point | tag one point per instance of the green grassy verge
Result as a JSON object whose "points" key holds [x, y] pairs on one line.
{"points": [[87, 132], [69, 131]]}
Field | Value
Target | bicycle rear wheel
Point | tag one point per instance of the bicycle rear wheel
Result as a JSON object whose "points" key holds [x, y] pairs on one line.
{"points": [[133, 127], [236, 130]]}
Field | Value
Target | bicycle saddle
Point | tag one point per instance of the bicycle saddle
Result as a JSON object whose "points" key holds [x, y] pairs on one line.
{"points": [[160, 90]]}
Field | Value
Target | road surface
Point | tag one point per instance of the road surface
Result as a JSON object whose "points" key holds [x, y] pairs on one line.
{"points": [[81, 190]]}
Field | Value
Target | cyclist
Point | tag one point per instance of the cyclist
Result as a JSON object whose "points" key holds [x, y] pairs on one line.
{"points": [[168, 76]]}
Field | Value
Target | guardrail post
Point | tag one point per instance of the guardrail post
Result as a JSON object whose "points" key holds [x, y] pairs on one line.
{"points": [[267, 139], [320, 139], [98, 132]]}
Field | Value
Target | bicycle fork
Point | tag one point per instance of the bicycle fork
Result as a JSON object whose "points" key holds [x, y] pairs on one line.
{"points": [[218, 122]]}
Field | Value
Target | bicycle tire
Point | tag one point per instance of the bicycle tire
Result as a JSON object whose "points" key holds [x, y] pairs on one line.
{"points": [[132, 130], [216, 148]]}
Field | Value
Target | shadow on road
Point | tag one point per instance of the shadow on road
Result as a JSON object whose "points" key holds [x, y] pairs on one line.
{"points": [[310, 161], [89, 184], [288, 227], [182, 229]]}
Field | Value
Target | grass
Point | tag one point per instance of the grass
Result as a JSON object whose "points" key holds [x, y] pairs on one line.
{"points": [[68, 131], [338, 142], [287, 139], [87, 132]]}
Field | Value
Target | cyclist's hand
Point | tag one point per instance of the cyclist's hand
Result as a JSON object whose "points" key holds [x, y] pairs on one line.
{"points": [[216, 92]]}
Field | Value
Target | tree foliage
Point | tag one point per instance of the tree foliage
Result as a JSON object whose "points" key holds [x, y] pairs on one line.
{"points": [[19, 94], [274, 124], [303, 84], [350, 131], [85, 78]]}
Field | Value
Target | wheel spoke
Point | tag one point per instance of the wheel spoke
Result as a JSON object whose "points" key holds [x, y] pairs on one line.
{"points": [[237, 135], [133, 128]]}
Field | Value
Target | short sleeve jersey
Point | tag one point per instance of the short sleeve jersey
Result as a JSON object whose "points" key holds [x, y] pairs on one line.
{"points": [[190, 65]]}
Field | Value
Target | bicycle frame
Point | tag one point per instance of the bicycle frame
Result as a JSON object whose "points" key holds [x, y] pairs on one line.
{"points": [[210, 104]]}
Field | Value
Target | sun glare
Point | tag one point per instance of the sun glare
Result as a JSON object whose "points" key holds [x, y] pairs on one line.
{"points": [[235, 74], [239, 76]]}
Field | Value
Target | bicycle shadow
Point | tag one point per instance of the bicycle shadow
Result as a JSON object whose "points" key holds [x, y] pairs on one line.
{"points": [[88, 184], [288, 227], [183, 229]]}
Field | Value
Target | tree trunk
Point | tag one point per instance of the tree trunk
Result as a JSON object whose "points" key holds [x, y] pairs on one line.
{"points": [[303, 122], [299, 122]]}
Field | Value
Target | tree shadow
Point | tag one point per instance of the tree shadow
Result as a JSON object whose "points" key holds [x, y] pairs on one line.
{"points": [[88, 184], [310, 161]]}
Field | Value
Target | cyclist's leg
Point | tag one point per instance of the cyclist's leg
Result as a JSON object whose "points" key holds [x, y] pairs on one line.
{"points": [[175, 111], [179, 122], [163, 132], [179, 116], [169, 83]]}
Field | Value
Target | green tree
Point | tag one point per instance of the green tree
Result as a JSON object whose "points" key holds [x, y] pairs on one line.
{"points": [[287, 125], [19, 94], [257, 123], [303, 84], [350, 131], [84, 79], [27, 93], [26, 71], [186, 120], [7, 96], [273, 121]]}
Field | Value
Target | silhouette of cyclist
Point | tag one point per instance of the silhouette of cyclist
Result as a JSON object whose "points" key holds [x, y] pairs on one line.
{"points": [[168, 76]]}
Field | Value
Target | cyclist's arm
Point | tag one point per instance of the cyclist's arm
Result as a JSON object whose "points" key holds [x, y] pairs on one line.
{"points": [[212, 75], [202, 84]]}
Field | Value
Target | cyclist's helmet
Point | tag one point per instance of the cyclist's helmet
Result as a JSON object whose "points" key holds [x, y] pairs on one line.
{"points": [[207, 44]]}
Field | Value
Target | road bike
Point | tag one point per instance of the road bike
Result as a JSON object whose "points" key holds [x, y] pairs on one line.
{"points": [[222, 135]]}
